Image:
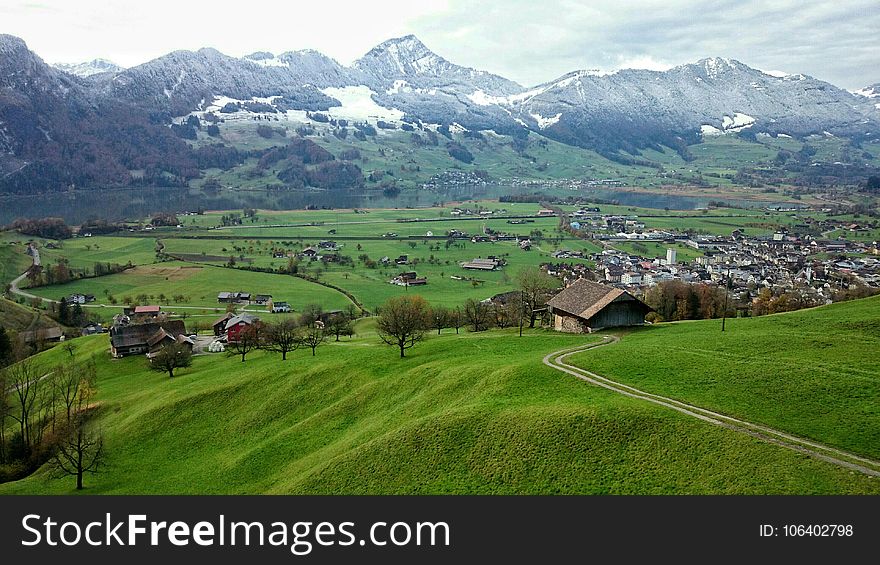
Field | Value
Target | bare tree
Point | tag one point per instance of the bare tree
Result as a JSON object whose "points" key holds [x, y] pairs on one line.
{"points": [[536, 286], [4, 413], [338, 325], [170, 357], [403, 321], [249, 339], [310, 314], [24, 382], [312, 336], [501, 314], [67, 380], [456, 318], [440, 318], [477, 314], [283, 338], [80, 449]]}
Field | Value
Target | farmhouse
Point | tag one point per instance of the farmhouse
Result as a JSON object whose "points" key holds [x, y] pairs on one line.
{"points": [[230, 297], [586, 306], [80, 298], [237, 324], [45, 334], [220, 325], [135, 339], [147, 311], [279, 307]]}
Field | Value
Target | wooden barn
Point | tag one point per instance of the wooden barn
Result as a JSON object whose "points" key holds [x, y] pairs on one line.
{"points": [[587, 306]]}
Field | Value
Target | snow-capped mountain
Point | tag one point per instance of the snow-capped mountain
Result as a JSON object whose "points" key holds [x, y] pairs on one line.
{"points": [[872, 91], [407, 58], [54, 134], [711, 96], [605, 110], [93, 67], [183, 81], [43, 110]]}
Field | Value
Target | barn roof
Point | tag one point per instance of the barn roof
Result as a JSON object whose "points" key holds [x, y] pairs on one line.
{"points": [[585, 298]]}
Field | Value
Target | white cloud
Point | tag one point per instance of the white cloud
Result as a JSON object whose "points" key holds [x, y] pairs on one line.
{"points": [[527, 41], [643, 62]]}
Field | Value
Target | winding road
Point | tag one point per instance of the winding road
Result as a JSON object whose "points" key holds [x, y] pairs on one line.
{"points": [[845, 459]]}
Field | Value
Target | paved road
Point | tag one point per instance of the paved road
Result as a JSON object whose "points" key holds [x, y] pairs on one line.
{"points": [[764, 433]]}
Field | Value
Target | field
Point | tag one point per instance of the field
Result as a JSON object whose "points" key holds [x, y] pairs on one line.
{"points": [[473, 413], [199, 285], [813, 373], [366, 236]]}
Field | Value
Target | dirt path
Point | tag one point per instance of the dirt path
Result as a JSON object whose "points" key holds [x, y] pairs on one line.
{"points": [[764, 433]]}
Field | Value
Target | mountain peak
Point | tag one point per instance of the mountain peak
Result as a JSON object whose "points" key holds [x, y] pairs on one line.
{"points": [[87, 69], [259, 56], [404, 56], [11, 44]]}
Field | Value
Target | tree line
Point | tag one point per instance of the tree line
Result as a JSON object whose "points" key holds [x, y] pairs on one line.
{"points": [[48, 416]]}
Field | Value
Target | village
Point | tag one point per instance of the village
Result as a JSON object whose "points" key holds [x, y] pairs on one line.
{"points": [[797, 261]]}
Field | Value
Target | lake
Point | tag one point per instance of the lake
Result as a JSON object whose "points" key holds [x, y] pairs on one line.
{"points": [[130, 203]]}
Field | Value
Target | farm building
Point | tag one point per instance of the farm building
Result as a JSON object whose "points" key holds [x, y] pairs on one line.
{"points": [[135, 339], [489, 264], [586, 306], [220, 325], [237, 324]]}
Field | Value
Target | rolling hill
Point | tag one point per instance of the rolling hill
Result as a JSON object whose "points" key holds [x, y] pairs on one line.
{"points": [[470, 413]]}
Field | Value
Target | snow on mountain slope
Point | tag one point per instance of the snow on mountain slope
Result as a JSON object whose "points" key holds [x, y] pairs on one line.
{"points": [[357, 104], [872, 91], [94, 67]]}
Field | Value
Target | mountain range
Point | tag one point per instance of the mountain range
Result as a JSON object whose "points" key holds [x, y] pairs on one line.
{"points": [[92, 124]]}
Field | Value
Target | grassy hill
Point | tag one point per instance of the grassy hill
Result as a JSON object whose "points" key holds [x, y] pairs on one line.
{"points": [[19, 318], [813, 373], [469, 413]]}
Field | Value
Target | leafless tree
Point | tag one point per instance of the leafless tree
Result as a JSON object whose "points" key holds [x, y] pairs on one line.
{"points": [[501, 314], [312, 336], [283, 338], [170, 357], [80, 448], [536, 286], [477, 314], [249, 339], [4, 414], [403, 321], [440, 318], [456, 318], [339, 325], [25, 384], [67, 380]]}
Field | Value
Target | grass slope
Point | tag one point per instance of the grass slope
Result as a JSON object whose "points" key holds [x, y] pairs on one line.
{"points": [[813, 373], [475, 413]]}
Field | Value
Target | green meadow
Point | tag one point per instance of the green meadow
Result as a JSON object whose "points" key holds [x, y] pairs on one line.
{"points": [[199, 286], [474, 413], [813, 373]]}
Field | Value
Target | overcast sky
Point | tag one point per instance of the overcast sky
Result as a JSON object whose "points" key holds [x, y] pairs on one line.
{"points": [[530, 41]]}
